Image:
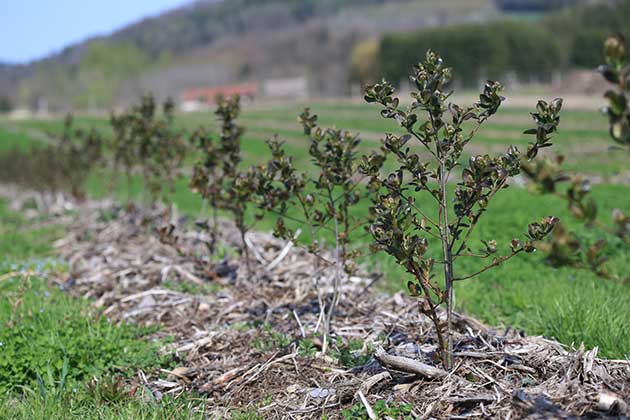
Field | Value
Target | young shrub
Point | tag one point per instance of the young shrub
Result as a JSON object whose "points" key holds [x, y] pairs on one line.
{"points": [[62, 165], [617, 72], [547, 177], [321, 200], [205, 170], [146, 140], [32, 169], [123, 148], [77, 154], [218, 177], [564, 247], [403, 225]]}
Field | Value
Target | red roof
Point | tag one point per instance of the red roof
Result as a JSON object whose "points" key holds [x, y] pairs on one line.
{"points": [[209, 94]]}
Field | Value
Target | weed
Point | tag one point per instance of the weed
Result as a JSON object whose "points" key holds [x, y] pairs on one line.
{"points": [[352, 354], [107, 390], [218, 178], [269, 339], [306, 348], [382, 409]]}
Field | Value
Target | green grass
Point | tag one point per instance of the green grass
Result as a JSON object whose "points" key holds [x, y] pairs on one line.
{"points": [[12, 137], [83, 405], [44, 326], [52, 345], [583, 136]]}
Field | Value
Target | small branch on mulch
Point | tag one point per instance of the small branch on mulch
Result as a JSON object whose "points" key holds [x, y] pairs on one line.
{"points": [[405, 364]]}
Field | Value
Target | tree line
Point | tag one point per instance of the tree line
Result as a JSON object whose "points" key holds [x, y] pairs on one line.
{"points": [[529, 51]]}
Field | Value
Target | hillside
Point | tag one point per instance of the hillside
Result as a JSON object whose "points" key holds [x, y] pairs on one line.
{"points": [[213, 42], [205, 43]]}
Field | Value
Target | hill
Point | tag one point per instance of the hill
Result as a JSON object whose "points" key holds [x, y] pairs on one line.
{"points": [[217, 41], [214, 42]]}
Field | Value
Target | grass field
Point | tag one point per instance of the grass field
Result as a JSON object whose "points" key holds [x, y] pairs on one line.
{"points": [[569, 304], [583, 136]]}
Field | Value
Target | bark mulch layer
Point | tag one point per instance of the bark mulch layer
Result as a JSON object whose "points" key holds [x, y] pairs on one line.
{"points": [[240, 339]]}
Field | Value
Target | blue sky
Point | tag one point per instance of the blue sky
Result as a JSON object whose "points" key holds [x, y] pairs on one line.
{"points": [[31, 29]]}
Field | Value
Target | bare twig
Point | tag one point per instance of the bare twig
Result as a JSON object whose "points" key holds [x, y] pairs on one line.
{"points": [[367, 406], [405, 364]]}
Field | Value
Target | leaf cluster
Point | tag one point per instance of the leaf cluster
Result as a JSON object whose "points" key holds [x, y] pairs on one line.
{"points": [[616, 71], [547, 177], [565, 248]]}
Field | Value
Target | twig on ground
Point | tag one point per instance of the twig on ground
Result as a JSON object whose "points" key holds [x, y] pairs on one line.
{"points": [[405, 364], [367, 406]]}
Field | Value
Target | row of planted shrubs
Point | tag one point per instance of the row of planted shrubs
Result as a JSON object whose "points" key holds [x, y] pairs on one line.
{"points": [[414, 216], [145, 142]]}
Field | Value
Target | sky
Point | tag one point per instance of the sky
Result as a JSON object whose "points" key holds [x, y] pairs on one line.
{"points": [[32, 29]]}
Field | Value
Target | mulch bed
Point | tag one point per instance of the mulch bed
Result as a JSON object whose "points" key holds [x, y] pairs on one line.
{"points": [[118, 259]]}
